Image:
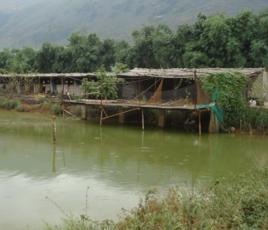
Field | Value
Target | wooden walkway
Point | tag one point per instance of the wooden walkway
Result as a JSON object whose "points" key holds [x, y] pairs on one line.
{"points": [[131, 104]]}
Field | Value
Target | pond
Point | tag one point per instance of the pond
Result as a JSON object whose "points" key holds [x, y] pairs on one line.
{"points": [[99, 171]]}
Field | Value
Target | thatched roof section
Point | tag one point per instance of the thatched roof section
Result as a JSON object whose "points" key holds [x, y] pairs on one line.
{"points": [[186, 73], [49, 75], [141, 73]]}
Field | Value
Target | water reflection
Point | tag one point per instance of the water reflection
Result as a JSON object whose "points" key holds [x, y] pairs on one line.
{"points": [[119, 165]]}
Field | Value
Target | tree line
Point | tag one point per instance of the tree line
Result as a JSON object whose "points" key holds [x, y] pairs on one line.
{"points": [[212, 41]]}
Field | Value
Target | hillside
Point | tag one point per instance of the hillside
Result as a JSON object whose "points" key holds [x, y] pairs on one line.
{"points": [[32, 22]]}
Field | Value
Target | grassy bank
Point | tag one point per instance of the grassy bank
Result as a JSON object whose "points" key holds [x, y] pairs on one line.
{"points": [[21, 105], [240, 204]]}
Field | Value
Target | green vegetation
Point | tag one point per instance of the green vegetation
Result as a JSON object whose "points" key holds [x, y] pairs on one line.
{"points": [[212, 41], [32, 22], [10, 104], [104, 88], [240, 204], [21, 106], [228, 90]]}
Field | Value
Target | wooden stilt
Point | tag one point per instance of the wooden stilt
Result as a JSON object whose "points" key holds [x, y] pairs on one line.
{"points": [[62, 85], [121, 118], [101, 116], [199, 123], [213, 124], [54, 143], [142, 119], [84, 112], [63, 109], [161, 119]]}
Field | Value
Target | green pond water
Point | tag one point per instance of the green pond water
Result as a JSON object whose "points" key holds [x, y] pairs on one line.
{"points": [[117, 165]]}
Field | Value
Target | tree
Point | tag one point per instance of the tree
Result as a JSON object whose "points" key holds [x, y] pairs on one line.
{"points": [[163, 47], [122, 53], [46, 57], [143, 47], [107, 53], [259, 53], [23, 61], [105, 86], [5, 59]]}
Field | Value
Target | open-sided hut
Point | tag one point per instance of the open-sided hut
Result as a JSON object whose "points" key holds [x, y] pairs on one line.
{"points": [[180, 87], [177, 89], [44, 83]]}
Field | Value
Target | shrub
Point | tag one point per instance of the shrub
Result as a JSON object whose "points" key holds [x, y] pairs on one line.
{"points": [[9, 104], [241, 203], [56, 109], [228, 90], [105, 87]]}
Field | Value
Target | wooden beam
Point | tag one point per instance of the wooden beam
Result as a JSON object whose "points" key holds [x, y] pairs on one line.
{"points": [[117, 114]]}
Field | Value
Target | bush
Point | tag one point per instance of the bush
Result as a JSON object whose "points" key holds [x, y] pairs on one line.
{"points": [[105, 87], [228, 91], [239, 204], [56, 109], [9, 104]]}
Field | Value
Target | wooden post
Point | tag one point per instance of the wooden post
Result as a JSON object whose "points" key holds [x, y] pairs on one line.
{"points": [[54, 143], [161, 119], [84, 112], [19, 87], [199, 123], [121, 118], [101, 113], [62, 84], [196, 90], [265, 87], [51, 86], [101, 116], [142, 119], [213, 124]]}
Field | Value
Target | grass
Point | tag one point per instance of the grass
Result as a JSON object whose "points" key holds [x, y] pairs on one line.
{"points": [[241, 204], [18, 105]]}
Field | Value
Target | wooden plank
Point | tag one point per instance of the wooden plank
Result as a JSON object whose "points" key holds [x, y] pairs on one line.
{"points": [[128, 104]]}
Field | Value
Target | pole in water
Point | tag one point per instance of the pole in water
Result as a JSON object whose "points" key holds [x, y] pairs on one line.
{"points": [[199, 123], [142, 119], [54, 130], [101, 117]]}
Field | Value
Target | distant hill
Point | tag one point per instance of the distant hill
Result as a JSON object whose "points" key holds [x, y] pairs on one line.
{"points": [[32, 22]]}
